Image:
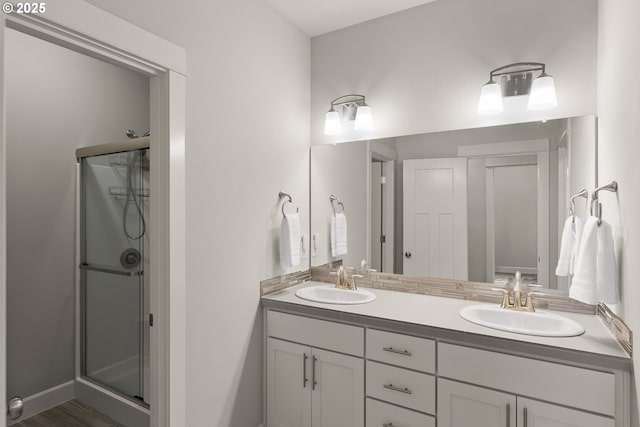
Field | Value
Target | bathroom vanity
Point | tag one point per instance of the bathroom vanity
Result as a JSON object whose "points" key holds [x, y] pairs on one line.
{"points": [[407, 360]]}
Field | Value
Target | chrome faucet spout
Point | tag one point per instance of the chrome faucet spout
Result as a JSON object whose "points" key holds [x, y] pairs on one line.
{"points": [[343, 281]]}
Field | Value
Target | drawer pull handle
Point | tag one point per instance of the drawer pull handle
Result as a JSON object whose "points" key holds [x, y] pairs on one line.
{"points": [[314, 383], [396, 351], [394, 388], [304, 370], [525, 416], [387, 425], [508, 415]]}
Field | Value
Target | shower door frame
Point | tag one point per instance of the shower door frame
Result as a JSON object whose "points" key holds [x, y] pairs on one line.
{"points": [[89, 30]]}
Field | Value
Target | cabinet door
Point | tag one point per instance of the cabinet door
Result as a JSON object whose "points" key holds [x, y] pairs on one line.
{"points": [[532, 413], [463, 405], [288, 384], [338, 390]]}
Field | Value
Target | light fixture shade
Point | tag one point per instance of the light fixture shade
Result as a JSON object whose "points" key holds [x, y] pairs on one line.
{"points": [[332, 123], [364, 119], [543, 93], [490, 99]]}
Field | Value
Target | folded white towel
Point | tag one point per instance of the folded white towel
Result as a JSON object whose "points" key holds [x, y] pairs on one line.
{"points": [[606, 281], [583, 285], [290, 241], [571, 235], [338, 234], [595, 266]]}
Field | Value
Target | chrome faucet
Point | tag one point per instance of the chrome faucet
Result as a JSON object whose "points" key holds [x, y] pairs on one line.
{"points": [[344, 281], [517, 297]]}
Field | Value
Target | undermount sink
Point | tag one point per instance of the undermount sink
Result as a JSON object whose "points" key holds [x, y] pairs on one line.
{"points": [[329, 294], [539, 323]]}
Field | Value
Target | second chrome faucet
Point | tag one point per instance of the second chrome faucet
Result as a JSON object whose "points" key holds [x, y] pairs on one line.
{"points": [[517, 297]]}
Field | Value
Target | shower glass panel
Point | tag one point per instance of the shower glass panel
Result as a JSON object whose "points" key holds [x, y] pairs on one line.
{"points": [[114, 207]]}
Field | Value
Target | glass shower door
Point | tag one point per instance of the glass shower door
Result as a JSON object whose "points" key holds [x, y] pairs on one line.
{"points": [[114, 190]]}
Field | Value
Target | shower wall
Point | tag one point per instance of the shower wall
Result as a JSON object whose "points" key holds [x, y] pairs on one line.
{"points": [[57, 101]]}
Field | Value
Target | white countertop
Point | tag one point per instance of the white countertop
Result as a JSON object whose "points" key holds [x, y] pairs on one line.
{"points": [[439, 312]]}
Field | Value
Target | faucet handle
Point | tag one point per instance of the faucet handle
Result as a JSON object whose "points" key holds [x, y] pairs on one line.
{"points": [[529, 303], [505, 297], [353, 280]]}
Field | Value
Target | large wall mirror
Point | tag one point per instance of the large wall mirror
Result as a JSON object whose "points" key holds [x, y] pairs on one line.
{"points": [[474, 204]]}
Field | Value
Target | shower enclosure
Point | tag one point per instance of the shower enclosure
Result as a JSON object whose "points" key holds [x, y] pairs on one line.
{"points": [[114, 261]]}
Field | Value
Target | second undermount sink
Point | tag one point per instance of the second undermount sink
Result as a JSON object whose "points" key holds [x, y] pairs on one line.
{"points": [[539, 323], [329, 294]]}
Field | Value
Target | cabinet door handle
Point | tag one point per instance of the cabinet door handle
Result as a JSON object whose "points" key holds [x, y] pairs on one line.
{"points": [[313, 374], [396, 351], [524, 415], [387, 425], [399, 389], [508, 414], [304, 370]]}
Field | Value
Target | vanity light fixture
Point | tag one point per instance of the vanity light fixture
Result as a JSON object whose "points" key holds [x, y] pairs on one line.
{"points": [[349, 107], [514, 80]]}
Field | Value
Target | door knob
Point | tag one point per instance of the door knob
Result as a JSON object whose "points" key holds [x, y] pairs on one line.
{"points": [[407, 254]]}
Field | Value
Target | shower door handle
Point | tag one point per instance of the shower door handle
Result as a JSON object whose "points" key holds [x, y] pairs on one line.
{"points": [[110, 270]]}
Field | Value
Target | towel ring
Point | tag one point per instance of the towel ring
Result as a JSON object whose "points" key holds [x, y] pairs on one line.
{"points": [[572, 207], [332, 199], [283, 195], [613, 187]]}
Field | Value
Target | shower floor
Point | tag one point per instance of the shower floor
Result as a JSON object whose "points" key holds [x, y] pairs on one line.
{"points": [[69, 414]]}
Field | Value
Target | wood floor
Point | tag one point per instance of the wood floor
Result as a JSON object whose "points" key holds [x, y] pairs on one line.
{"points": [[69, 414]]}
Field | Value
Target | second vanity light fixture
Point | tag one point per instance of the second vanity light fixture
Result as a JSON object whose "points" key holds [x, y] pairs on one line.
{"points": [[517, 79], [349, 107]]}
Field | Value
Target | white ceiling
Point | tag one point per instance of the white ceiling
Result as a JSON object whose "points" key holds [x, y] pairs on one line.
{"points": [[315, 17]]}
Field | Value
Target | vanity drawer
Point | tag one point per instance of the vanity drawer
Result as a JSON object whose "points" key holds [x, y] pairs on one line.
{"points": [[380, 414], [554, 382], [402, 387], [402, 350], [317, 333]]}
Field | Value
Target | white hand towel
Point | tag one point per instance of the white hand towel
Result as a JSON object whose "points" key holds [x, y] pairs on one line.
{"points": [[290, 241], [583, 285], [606, 283], [571, 235], [338, 234]]}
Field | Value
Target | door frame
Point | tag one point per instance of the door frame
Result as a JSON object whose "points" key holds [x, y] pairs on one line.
{"points": [[540, 148], [89, 30], [387, 157]]}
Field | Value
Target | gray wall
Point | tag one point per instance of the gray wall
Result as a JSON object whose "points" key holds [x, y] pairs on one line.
{"points": [[516, 217], [619, 150], [247, 138], [57, 100], [341, 170], [422, 69], [582, 141]]}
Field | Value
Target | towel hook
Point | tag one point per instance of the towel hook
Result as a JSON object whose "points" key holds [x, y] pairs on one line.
{"points": [[613, 187], [572, 207], [283, 195], [332, 199]]}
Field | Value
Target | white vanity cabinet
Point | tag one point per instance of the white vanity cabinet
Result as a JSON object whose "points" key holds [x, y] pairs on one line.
{"points": [[314, 373], [469, 379]]}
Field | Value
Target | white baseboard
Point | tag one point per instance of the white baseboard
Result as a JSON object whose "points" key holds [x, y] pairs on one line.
{"points": [[110, 404], [46, 399]]}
